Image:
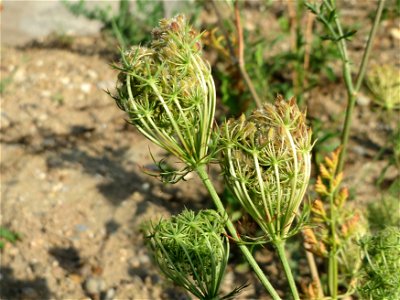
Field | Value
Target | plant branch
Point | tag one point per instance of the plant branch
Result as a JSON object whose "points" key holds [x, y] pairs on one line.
{"points": [[201, 171], [351, 89], [242, 66]]}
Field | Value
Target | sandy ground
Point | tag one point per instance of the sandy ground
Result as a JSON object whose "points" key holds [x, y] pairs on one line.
{"points": [[72, 183]]}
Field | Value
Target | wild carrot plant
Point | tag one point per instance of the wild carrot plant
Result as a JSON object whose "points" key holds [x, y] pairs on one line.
{"points": [[192, 249], [167, 90], [267, 164], [169, 94]]}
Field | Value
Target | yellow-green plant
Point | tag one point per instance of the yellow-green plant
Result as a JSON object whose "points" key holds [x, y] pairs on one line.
{"points": [[384, 84], [379, 277], [337, 228]]}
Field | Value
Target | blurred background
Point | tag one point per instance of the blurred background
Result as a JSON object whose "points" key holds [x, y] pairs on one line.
{"points": [[73, 192]]}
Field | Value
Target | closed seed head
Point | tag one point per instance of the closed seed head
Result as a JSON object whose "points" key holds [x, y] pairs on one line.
{"points": [[266, 162]]}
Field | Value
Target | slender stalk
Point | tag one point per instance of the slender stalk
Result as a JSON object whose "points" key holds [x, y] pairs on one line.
{"points": [[293, 20], [241, 62], [308, 36], [332, 261], [201, 171], [332, 264], [314, 273], [352, 90], [280, 247], [333, 274]]}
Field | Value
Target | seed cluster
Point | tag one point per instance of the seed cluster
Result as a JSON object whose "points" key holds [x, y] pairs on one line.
{"points": [[192, 249], [168, 91], [266, 162]]}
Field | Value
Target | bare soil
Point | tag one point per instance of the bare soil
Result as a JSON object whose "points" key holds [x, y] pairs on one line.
{"points": [[73, 187]]}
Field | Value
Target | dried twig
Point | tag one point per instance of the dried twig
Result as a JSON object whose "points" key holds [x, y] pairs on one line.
{"points": [[314, 273], [241, 61], [293, 41], [308, 36]]}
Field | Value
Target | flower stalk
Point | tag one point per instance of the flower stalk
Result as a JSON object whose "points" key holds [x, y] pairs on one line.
{"points": [[266, 160], [201, 170]]}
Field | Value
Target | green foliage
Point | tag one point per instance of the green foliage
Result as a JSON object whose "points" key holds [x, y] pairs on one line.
{"points": [[7, 235], [192, 250], [327, 14], [58, 98], [4, 82], [384, 212], [393, 160], [337, 227], [128, 28], [379, 276], [327, 139], [272, 74]]}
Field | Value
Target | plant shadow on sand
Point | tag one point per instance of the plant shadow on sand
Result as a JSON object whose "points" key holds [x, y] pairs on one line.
{"points": [[117, 176], [12, 288]]}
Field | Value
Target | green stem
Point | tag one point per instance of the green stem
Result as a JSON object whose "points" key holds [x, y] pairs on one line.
{"points": [[201, 170], [333, 274], [280, 247], [333, 265], [351, 89]]}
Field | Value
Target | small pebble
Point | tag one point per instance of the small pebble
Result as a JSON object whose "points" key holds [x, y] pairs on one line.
{"points": [[395, 33], [81, 227], [359, 150], [145, 186], [49, 142], [86, 87], [20, 75], [109, 294], [46, 93], [43, 117], [363, 100], [143, 258], [94, 285], [65, 80], [92, 74]]}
